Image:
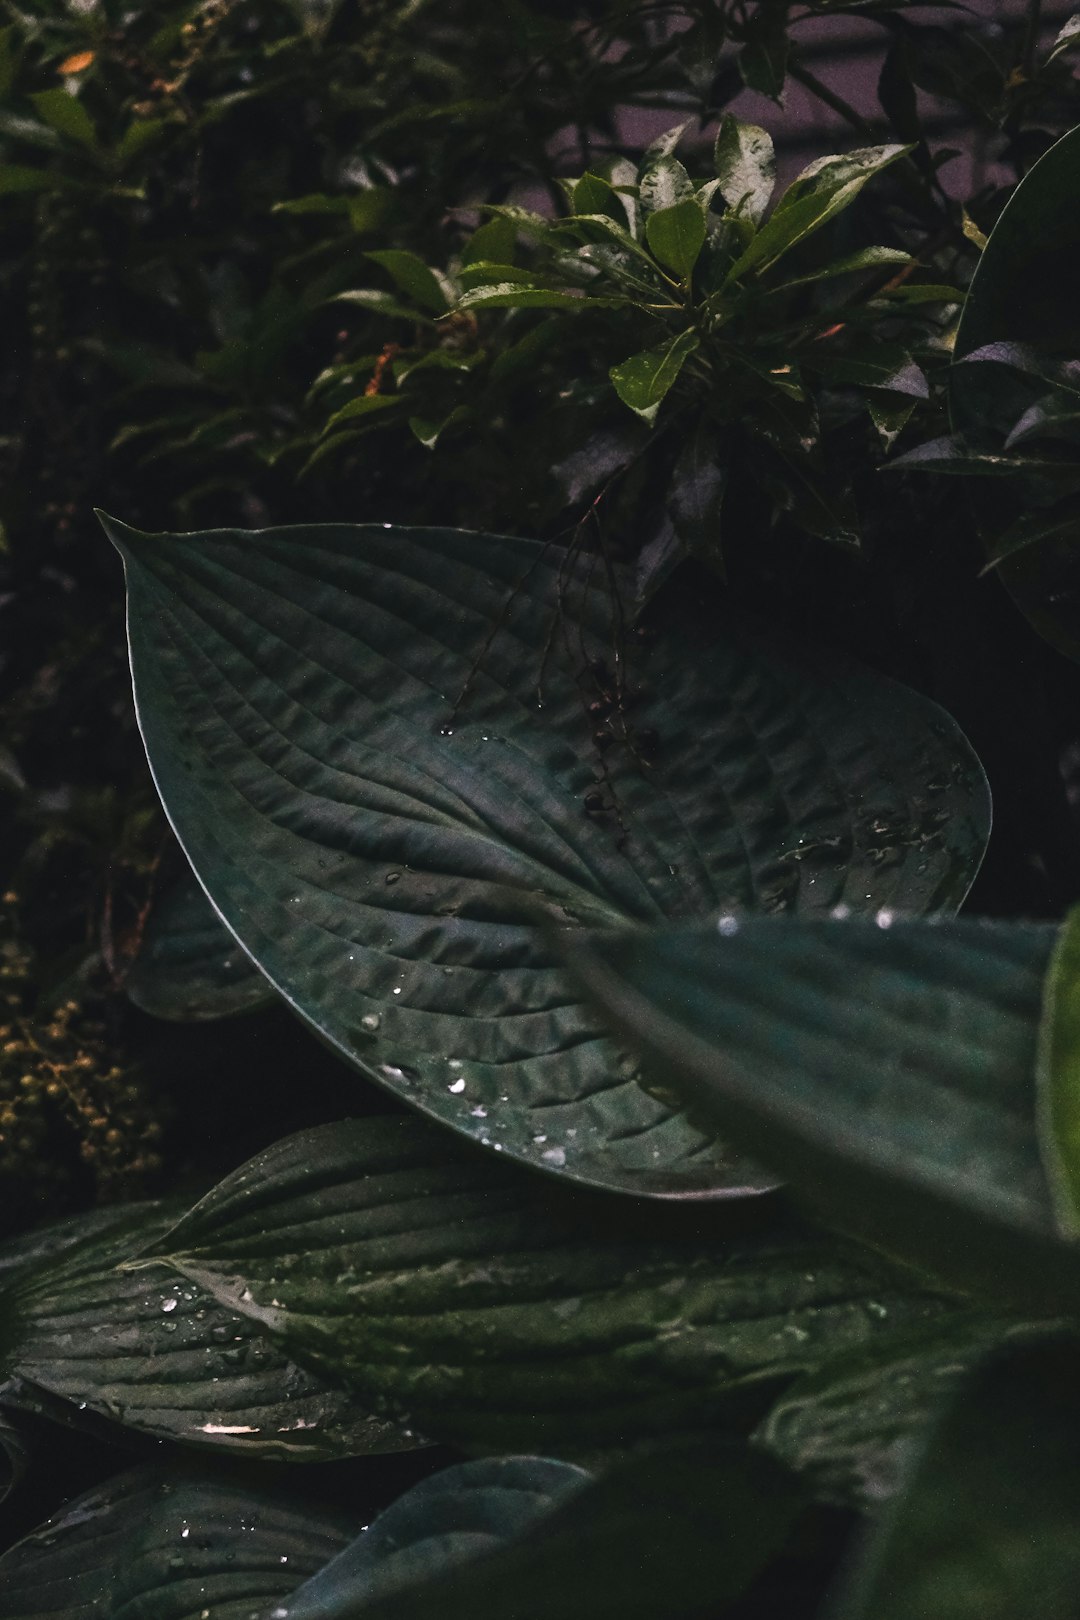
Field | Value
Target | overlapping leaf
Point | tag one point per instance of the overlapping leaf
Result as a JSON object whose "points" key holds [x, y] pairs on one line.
{"points": [[386, 751], [453, 1517], [492, 1312], [680, 1532], [986, 1528], [189, 966], [887, 1069], [850, 1427], [168, 1359], [155, 1545]]}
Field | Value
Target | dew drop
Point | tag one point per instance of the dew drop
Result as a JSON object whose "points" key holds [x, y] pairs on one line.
{"points": [[392, 877], [728, 926], [369, 1021], [884, 917], [555, 1156], [169, 1304], [456, 1086]]}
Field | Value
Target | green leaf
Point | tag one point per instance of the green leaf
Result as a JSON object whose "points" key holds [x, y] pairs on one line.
{"points": [[593, 195], [366, 410], [382, 765], [189, 966], [848, 1427], [430, 288], [1030, 530], [64, 113], [820, 192], [676, 235], [664, 183], [912, 292], [170, 1545], [870, 258], [678, 1532], [643, 381], [452, 1293], [986, 1527], [763, 59], [876, 365], [18, 179], [1029, 361], [453, 1517], [1066, 37], [888, 1071], [951, 454], [168, 1360], [381, 303], [494, 242], [514, 295], [890, 415], [746, 166]]}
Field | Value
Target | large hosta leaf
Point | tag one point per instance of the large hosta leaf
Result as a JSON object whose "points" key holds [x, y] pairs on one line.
{"points": [[451, 1518], [387, 751], [157, 1545], [987, 1526], [888, 1070], [167, 1360], [189, 966], [496, 1313], [678, 1533]]}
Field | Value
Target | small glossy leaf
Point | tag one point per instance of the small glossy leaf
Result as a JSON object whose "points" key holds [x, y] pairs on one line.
{"points": [[664, 183], [366, 410], [1029, 361], [66, 114], [951, 454], [167, 1361], [986, 1526], [676, 235], [430, 288], [498, 1316], [453, 1517], [763, 59], [1054, 416], [593, 195], [746, 166], [1067, 36], [679, 1532], [1031, 529], [878, 365], [888, 1071], [381, 303], [870, 258], [821, 192], [189, 966], [643, 381], [382, 765], [494, 241], [158, 1545], [522, 295], [890, 414]]}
